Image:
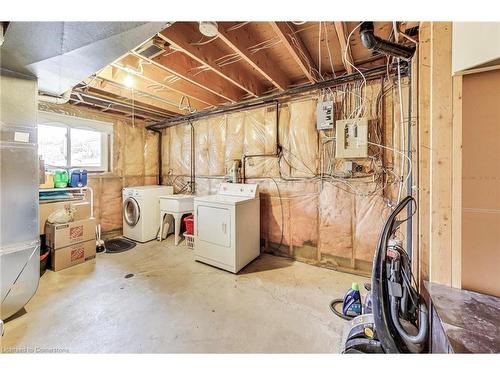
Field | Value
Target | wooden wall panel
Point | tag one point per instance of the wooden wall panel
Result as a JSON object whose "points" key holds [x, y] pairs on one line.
{"points": [[481, 183], [456, 229]]}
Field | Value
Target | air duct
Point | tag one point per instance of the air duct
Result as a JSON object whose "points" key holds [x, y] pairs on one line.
{"points": [[375, 43], [64, 98]]}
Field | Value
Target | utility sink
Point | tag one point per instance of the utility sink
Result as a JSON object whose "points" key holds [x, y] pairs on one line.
{"points": [[176, 203]]}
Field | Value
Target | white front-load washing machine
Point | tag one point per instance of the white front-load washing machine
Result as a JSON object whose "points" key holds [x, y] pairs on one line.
{"points": [[141, 211]]}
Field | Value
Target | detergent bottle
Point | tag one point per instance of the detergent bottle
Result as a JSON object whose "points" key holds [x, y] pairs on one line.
{"points": [[352, 301]]}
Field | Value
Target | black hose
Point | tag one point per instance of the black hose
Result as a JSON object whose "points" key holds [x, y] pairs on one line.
{"points": [[423, 330], [336, 302]]}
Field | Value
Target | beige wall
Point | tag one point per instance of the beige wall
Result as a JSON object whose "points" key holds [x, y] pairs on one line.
{"points": [[481, 182], [134, 163]]}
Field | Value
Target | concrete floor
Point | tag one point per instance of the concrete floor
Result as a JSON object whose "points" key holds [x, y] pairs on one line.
{"points": [[173, 304]]}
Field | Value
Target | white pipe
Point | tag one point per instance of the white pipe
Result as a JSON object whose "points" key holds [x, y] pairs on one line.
{"points": [[55, 99]]}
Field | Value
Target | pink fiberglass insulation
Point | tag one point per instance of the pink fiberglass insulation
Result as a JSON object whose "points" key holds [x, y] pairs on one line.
{"points": [[370, 215], [234, 138], [304, 204], [151, 154], [302, 147], [336, 221], [216, 145], [201, 147], [274, 224], [134, 156], [255, 140]]}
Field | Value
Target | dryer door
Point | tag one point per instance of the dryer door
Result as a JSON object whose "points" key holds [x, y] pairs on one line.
{"points": [[131, 211], [214, 225]]}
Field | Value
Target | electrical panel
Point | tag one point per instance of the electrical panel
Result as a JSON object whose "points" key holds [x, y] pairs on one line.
{"points": [[325, 115], [351, 138]]}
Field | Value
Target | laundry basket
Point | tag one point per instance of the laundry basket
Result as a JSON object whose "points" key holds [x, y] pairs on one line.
{"points": [[189, 239], [189, 223]]}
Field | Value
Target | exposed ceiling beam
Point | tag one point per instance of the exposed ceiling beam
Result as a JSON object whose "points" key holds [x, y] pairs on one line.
{"points": [[117, 103], [160, 75], [120, 90], [182, 36], [143, 85], [188, 69], [110, 109], [292, 42], [346, 52], [240, 41]]}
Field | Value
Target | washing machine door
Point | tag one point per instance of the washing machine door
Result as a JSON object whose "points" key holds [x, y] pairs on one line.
{"points": [[131, 211]]}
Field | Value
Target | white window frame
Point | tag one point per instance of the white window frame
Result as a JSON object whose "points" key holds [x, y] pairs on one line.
{"points": [[73, 122]]}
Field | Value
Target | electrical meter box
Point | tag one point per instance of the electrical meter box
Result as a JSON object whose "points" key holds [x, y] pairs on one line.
{"points": [[325, 115], [351, 138]]}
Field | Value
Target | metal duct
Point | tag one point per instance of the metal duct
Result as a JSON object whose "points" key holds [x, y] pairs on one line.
{"points": [[55, 99], [375, 43], [61, 54]]}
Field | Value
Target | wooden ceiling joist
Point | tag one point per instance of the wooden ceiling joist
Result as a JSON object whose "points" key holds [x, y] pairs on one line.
{"points": [[183, 37], [241, 40], [114, 102], [344, 44], [188, 69], [119, 90], [143, 85], [157, 74], [292, 42]]}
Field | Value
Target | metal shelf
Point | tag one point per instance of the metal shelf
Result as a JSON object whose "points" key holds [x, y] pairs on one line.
{"points": [[80, 189]]}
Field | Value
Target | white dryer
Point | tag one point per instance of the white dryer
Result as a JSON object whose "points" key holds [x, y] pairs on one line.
{"points": [[227, 227], [141, 211]]}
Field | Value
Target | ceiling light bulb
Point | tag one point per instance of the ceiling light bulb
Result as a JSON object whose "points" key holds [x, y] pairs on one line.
{"points": [[209, 28], [128, 81]]}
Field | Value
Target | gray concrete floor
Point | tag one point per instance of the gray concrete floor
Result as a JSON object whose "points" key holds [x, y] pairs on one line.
{"points": [[173, 304]]}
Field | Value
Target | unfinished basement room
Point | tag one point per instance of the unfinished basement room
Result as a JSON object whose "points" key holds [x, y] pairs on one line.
{"points": [[230, 183]]}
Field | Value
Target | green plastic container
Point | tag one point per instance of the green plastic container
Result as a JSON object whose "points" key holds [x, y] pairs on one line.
{"points": [[61, 178]]}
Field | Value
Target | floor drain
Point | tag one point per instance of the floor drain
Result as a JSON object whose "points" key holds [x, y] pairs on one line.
{"points": [[129, 275]]}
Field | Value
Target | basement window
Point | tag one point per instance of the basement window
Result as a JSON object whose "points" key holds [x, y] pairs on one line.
{"points": [[74, 142]]}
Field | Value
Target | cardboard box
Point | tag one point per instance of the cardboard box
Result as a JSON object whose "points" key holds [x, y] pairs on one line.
{"points": [[72, 255], [46, 208], [58, 236]]}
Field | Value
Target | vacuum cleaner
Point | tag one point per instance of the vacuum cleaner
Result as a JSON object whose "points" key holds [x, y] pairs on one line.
{"points": [[394, 316]]}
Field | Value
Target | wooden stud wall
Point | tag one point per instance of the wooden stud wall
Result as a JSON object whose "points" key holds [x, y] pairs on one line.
{"points": [[456, 242], [439, 148], [424, 68]]}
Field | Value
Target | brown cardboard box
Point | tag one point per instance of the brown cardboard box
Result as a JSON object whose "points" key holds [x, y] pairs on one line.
{"points": [[72, 255], [62, 235], [46, 208]]}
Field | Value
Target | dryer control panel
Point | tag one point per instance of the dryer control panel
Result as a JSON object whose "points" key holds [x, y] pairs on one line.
{"points": [[239, 190]]}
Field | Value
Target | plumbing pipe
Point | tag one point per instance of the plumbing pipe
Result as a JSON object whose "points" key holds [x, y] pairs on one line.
{"points": [[275, 154], [374, 73], [375, 43], [55, 99]]}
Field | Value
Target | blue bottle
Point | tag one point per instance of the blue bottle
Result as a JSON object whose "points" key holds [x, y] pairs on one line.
{"points": [[352, 301]]}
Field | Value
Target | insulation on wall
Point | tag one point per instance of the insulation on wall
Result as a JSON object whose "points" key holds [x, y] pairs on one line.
{"points": [[234, 137], [301, 150], [134, 155], [330, 221]]}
